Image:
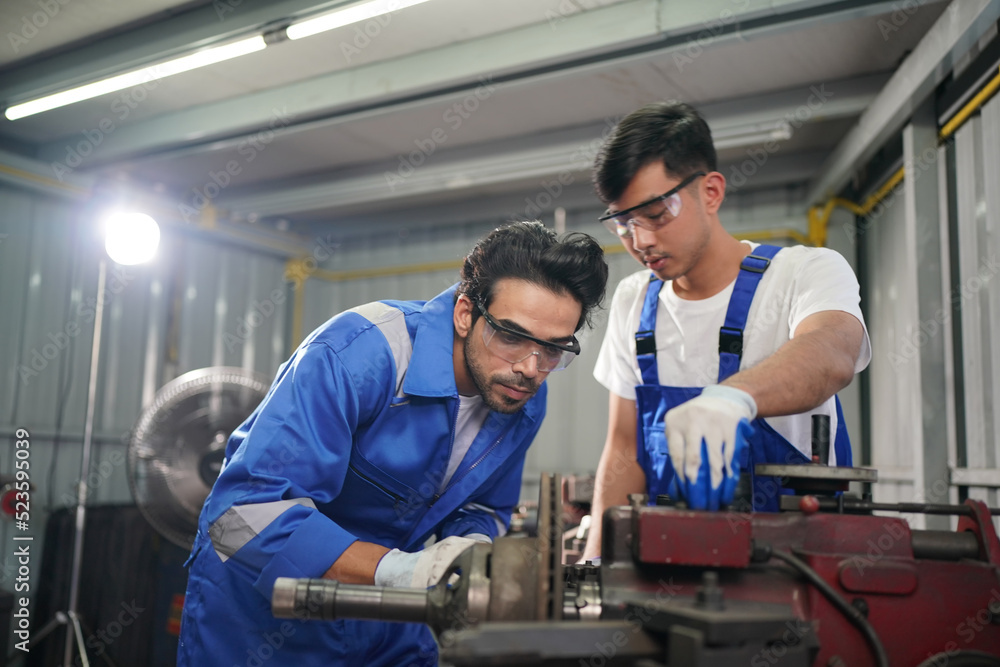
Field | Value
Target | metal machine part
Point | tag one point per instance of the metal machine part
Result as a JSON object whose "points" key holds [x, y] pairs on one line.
{"points": [[513, 579], [549, 546], [678, 587], [578, 489], [810, 478], [582, 600], [509, 594], [817, 477], [178, 444], [710, 631], [442, 607]]}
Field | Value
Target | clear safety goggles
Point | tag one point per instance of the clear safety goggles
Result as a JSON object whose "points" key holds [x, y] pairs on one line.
{"points": [[651, 214], [515, 346]]}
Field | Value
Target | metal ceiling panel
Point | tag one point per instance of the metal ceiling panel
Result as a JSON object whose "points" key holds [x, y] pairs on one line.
{"points": [[32, 28], [431, 25], [283, 125]]}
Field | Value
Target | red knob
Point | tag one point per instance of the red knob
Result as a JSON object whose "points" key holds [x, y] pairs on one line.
{"points": [[809, 504]]}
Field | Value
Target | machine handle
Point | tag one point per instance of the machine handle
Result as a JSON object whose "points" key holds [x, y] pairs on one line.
{"points": [[821, 439]]}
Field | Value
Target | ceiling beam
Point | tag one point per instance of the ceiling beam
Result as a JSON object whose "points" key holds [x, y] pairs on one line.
{"points": [[577, 198], [595, 39], [933, 59], [30, 174], [493, 165], [363, 90]]}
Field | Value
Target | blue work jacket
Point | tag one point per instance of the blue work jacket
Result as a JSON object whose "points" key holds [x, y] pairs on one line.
{"points": [[351, 443]]}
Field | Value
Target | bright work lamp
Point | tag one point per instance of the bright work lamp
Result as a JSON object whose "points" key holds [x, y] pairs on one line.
{"points": [[131, 238]]}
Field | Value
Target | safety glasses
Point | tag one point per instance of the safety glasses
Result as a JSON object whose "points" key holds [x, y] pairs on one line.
{"points": [[651, 214], [515, 346]]}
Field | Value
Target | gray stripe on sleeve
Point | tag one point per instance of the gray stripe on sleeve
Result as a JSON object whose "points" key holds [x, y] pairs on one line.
{"points": [[392, 323], [242, 523]]}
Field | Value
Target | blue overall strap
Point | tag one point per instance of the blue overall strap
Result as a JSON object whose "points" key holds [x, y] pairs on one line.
{"points": [[841, 441], [731, 334], [645, 337]]}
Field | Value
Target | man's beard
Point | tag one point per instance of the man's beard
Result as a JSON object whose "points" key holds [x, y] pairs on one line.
{"points": [[503, 404]]}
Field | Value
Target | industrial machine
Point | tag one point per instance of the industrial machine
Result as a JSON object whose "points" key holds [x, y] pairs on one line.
{"points": [[825, 583]]}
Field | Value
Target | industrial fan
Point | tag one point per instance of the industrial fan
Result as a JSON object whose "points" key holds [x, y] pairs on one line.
{"points": [[178, 444]]}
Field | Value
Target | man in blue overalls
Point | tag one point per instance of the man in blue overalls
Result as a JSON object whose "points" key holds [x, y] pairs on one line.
{"points": [[392, 422], [719, 351]]}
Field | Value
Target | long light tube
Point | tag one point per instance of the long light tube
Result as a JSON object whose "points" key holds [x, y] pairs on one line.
{"points": [[347, 16], [752, 135], [134, 78]]}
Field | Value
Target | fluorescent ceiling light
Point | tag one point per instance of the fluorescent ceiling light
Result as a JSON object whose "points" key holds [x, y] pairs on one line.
{"points": [[751, 135], [347, 16], [129, 79]]}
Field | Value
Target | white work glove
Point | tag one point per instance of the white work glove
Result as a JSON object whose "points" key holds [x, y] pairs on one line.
{"points": [[706, 438], [422, 569]]}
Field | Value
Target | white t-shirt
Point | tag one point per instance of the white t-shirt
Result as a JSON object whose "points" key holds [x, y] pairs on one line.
{"points": [[472, 412], [800, 282]]}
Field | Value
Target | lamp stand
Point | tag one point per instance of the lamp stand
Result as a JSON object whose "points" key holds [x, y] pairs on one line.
{"points": [[73, 631]]}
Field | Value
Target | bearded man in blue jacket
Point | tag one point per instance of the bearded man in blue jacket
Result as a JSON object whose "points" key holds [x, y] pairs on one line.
{"points": [[393, 422]]}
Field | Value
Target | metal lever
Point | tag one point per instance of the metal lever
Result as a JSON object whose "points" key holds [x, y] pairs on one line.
{"points": [[821, 439]]}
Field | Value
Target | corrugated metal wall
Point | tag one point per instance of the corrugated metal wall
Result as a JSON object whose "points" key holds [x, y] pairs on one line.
{"points": [[932, 259], [895, 387], [181, 312], [977, 199]]}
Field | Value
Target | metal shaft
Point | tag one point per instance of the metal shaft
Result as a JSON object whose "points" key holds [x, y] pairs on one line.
{"points": [[330, 600], [856, 505]]}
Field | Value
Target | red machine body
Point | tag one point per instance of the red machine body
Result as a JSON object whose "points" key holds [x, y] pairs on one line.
{"points": [[927, 594]]}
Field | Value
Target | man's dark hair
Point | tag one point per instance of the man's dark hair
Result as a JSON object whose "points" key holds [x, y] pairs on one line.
{"points": [[673, 133], [528, 251]]}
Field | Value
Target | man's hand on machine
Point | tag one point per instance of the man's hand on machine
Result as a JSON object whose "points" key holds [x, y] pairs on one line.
{"points": [[706, 439], [422, 569]]}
